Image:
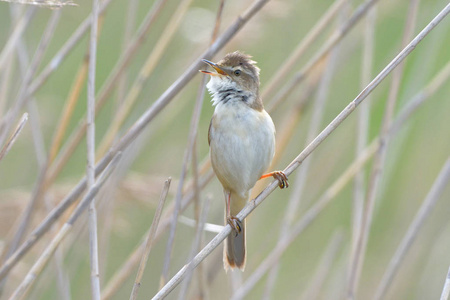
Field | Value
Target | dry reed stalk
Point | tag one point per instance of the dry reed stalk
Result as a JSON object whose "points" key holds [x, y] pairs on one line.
{"points": [[363, 124], [12, 139], [53, 4], [69, 106], [15, 36], [9, 67], [150, 239], [90, 153], [446, 289], [5, 85], [130, 25], [195, 247]]}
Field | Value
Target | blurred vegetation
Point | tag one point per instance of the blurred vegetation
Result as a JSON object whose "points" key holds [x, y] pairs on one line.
{"points": [[414, 158]]}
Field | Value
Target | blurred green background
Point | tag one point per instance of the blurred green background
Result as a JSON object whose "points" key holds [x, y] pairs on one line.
{"points": [[414, 158]]}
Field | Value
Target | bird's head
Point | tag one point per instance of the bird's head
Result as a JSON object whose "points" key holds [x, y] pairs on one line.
{"points": [[238, 74]]}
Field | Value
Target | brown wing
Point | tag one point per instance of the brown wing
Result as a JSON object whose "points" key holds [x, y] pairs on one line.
{"points": [[209, 130]]}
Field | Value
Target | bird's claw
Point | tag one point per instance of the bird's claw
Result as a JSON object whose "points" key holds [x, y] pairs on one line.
{"points": [[282, 179], [235, 224]]}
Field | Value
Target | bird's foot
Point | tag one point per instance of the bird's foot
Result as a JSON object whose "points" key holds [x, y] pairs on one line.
{"points": [[282, 179], [235, 224], [280, 176]]}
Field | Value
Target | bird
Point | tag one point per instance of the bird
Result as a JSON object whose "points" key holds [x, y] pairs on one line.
{"points": [[241, 137]]}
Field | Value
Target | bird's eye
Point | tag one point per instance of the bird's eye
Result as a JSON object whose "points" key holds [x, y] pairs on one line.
{"points": [[237, 72]]}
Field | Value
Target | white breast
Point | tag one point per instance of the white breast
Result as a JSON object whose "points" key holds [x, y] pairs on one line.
{"points": [[242, 145]]}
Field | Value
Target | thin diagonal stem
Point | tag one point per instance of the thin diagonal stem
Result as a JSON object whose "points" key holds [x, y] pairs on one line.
{"points": [[72, 99], [9, 66], [150, 239], [12, 139], [195, 247], [15, 36], [128, 32], [446, 289]]}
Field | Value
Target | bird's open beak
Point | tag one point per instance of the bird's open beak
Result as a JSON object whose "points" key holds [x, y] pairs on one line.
{"points": [[215, 67]]}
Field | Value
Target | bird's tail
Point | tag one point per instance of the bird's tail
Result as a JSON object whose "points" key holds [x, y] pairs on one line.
{"points": [[235, 253]]}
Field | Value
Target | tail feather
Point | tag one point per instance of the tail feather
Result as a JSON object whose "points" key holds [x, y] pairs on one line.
{"points": [[235, 254]]}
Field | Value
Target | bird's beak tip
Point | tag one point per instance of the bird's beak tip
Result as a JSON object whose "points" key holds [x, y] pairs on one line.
{"points": [[215, 67]]}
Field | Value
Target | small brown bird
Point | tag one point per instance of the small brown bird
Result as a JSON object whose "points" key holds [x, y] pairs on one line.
{"points": [[242, 142]]}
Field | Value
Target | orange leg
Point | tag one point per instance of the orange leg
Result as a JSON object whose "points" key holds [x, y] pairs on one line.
{"points": [[280, 176]]}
